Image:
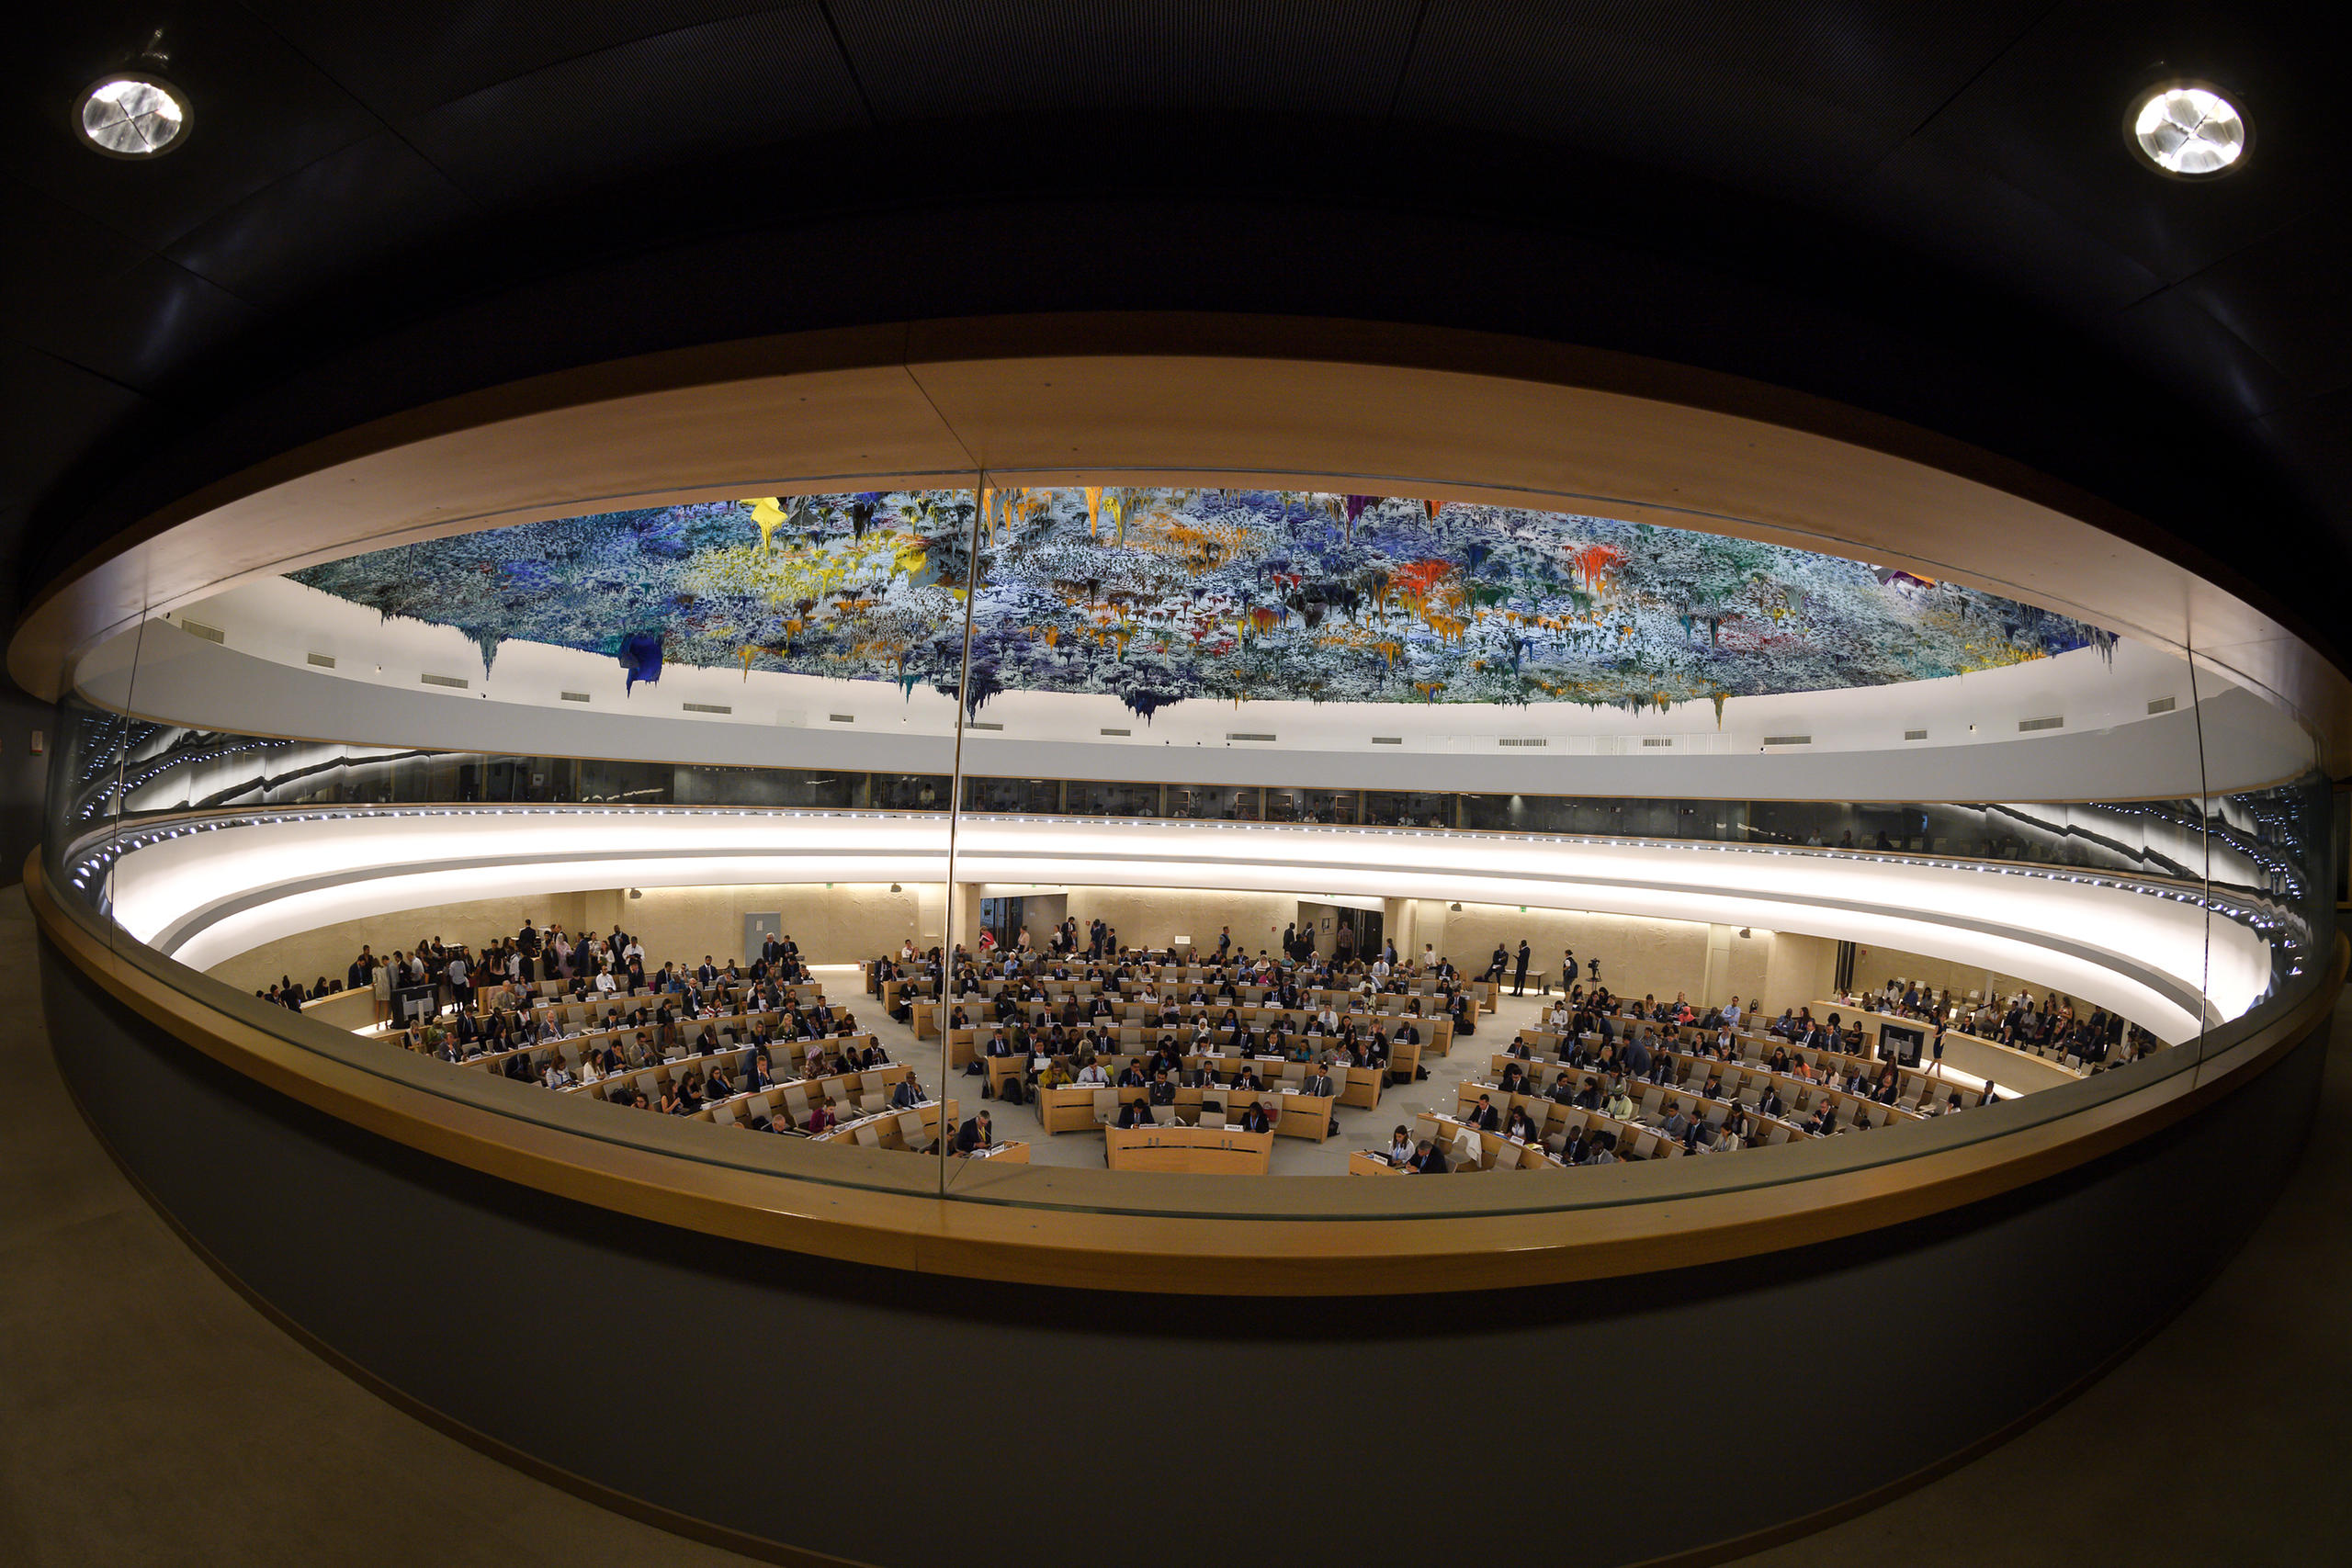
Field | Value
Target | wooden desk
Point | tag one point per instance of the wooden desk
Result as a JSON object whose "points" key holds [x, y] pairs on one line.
{"points": [[1208, 1151], [1013, 1153], [1305, 1116], [882, 1129], [1070, 1108], [966, 1045], [1364, 1084], [1362, 1164], [1494, 1151]]}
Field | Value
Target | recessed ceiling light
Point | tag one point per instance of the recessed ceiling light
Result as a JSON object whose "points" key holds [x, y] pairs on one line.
{"points": [[2189, 131], [129, 116]]}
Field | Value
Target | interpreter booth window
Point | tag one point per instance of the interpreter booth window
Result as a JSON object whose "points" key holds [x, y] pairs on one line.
{"points": [[1032, 796], [1405, 808], [624, 783], [910, 792], [1208, 803], [1113, 799], [1333, 805], [807, 789]]}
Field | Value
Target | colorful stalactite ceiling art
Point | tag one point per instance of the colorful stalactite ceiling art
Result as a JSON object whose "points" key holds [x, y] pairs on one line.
{"points": [[1160, 596]]}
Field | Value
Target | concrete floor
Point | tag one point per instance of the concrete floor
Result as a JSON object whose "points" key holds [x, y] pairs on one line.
{"points": [[148, 1415]]}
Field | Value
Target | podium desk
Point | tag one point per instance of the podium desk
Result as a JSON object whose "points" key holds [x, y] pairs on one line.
{"points": [[1305, 1116], [1494, 1151], [1361, 1087], [1002, 1068], [1362, 1164], [1208, 1151], [1070, 1108], [1013, 1153], [882, 1129]]}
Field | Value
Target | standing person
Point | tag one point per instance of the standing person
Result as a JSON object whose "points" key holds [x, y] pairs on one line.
{"points": [[1519, 978], [1936, 1066], [381, 981], [461, 991]]}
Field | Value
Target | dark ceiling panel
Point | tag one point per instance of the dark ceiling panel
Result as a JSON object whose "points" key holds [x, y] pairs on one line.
{"points": [[51, 249], [141, 327], [1936, 202], [711, 91], [261, 111], [2290, 297], [2047, 119], [341, 216], [932, 59], [57, 414], [402, 60], [1775, 95], [75, 290], [2172, 338], [2313, 441]]}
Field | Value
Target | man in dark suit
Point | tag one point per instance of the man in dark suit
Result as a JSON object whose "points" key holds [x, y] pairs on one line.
{"points": [[1483, 1116], [1497, 965], [1519, 979], [907, 1096], [1136, 1112], [974, 1133], [1318, 1082], [1162, 1091], [1426, 1160]]}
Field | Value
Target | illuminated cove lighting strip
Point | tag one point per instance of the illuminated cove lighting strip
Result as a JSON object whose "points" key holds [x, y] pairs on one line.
{"points": [[204, 892]]}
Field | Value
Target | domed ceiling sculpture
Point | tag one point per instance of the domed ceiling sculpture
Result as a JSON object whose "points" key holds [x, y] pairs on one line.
{"points": [[1159, 597]]}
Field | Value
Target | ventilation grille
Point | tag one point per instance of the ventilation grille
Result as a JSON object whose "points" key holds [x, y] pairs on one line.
{"points": [[456, 682], [2162, 704], [198, 628], [1649, 740], [324, 661], [843, 718], [1119, 732], [1788, 740], [2027, 724], [1522, 740], [1389, 740], [573, 696], [982, 724], [708, 707], [1915, 735], [1240, 735]]}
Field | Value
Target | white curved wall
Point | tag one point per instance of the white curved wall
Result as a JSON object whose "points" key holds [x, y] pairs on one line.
{"points": [[204, 892], [2110, 747]]}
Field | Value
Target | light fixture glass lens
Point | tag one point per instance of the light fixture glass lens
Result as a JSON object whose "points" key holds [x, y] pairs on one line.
{"points": [[2190, 130], [132, 117]]}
